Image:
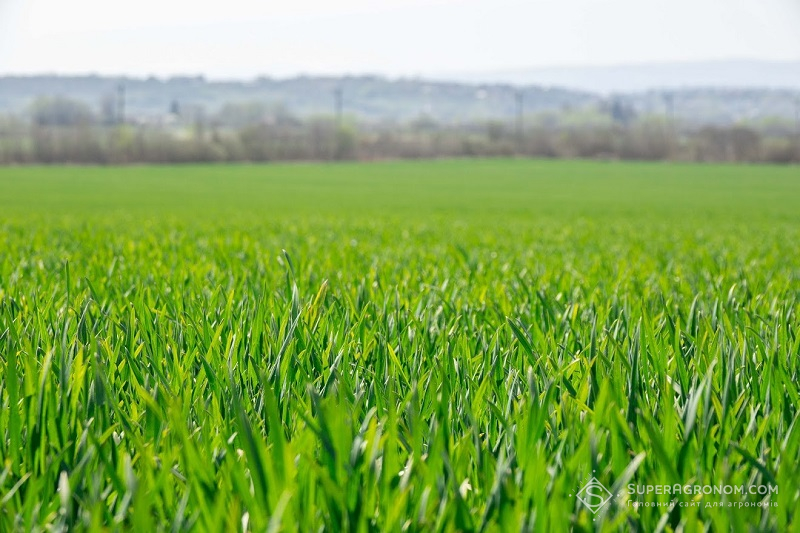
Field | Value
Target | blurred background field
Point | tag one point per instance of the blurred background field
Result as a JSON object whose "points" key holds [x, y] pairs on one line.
{"points": [[536, 190]]}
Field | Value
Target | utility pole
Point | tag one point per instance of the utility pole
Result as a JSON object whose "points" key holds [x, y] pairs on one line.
{"points": [[520, 98], [338, 98], [121, 103]]}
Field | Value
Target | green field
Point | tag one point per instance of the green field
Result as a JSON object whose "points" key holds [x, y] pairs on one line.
{"points": [[455, 345]]}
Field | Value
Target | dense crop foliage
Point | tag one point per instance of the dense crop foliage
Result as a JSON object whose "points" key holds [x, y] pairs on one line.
{"points": [[433, 346]]}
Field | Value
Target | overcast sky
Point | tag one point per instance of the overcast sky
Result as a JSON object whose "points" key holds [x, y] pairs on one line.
{"points": [[246, 38]]}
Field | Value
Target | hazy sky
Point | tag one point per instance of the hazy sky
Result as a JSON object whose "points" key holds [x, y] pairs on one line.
{"points": [[245, 38]]}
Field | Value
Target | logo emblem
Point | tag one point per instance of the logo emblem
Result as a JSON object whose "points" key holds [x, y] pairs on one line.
{"points": [[594, 495]]}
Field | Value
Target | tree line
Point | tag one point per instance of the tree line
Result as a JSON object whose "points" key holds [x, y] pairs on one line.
{"points": [[57, 131]]}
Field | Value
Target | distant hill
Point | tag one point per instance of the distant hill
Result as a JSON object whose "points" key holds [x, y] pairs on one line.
{"points": [[372, 98], [736, 74], [367, 97]]}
